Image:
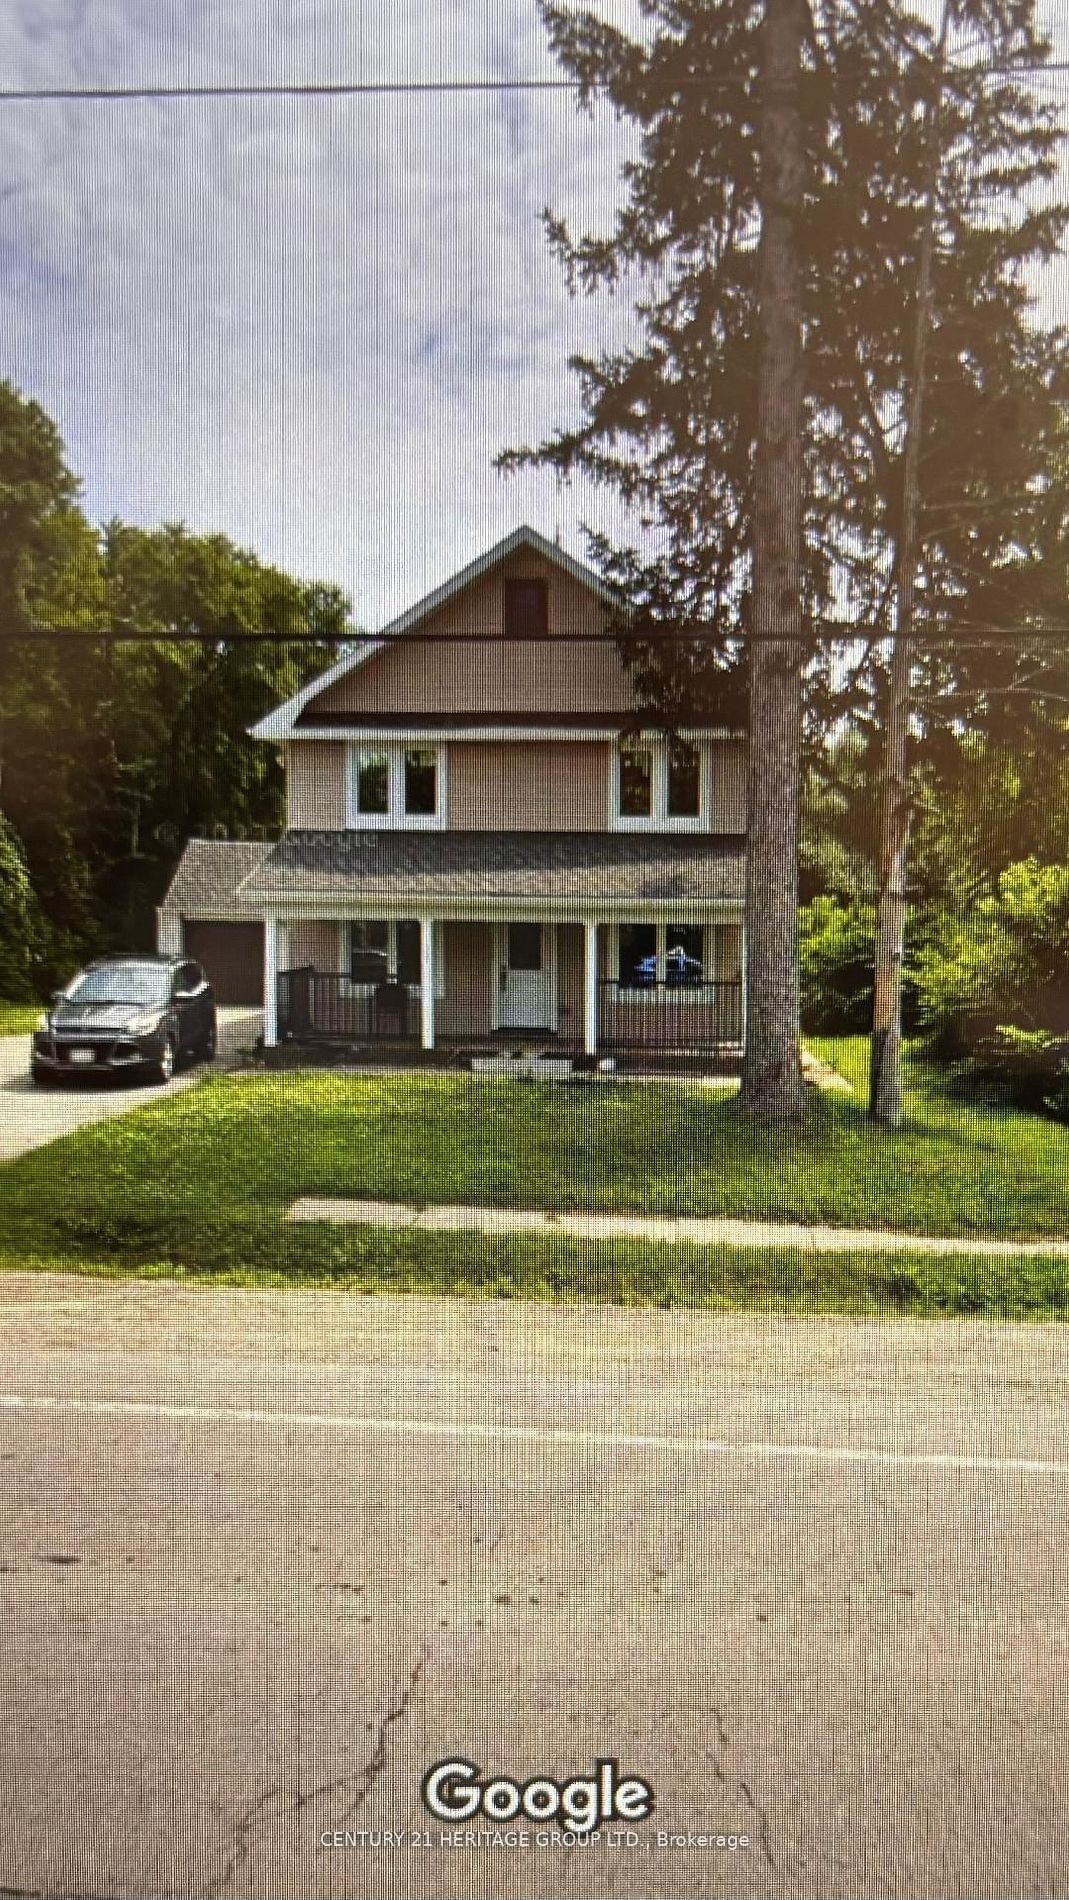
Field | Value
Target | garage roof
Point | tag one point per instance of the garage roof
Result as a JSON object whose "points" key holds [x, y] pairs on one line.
{"points": [[208, 877]]}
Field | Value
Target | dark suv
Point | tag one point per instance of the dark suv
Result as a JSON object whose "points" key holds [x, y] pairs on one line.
{"points": [[125, 1014]]}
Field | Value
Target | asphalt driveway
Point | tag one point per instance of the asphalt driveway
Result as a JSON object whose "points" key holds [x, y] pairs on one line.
{"points": [[30, 1117]]}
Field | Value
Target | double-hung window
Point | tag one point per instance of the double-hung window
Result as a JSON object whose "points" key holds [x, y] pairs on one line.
{"points": [[661, 784], [396, 786]]}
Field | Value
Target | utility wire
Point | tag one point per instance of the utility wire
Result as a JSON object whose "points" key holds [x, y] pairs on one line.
{"points": [[831, 633], [359, 88], [313, 89]]}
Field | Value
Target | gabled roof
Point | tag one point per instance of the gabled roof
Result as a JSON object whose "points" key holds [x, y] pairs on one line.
{"points": [[280, 723]]}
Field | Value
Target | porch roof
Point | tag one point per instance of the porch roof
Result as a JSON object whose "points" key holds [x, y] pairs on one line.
{"points": [[422, 869]]}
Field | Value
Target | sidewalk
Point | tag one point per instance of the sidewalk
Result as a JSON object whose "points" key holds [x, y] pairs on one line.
{"points": [[672, 1230]]}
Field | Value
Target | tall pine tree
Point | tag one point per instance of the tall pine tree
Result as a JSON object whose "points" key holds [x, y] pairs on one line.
{"points": [[671, 423]]}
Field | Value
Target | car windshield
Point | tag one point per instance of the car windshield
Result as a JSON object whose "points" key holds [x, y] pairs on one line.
{"points": [[142, 983]]}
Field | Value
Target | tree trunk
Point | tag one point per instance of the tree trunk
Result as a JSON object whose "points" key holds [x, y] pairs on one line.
{"points": [[772, 1083], [885, 1058]]}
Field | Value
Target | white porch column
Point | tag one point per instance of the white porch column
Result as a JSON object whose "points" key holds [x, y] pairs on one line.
{"points": [[590, 988], [426, 982], [271, 948]]}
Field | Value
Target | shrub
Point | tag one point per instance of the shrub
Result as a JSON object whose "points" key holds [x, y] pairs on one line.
{"points": [[1006, 962], [1028, 1068], [836, 946]]}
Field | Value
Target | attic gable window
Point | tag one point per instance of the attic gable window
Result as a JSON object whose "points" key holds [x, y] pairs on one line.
{"points": [[526, 610]]}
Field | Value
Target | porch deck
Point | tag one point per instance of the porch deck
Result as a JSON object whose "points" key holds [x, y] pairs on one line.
{"points": [[649, 1022]]}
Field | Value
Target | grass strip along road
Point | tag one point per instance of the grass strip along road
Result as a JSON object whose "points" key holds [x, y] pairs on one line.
{"points": [[199, 1185]]}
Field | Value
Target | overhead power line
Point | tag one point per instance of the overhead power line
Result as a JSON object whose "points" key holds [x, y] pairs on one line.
{"points": [[312, 89], [360, 88], [829, 632]]}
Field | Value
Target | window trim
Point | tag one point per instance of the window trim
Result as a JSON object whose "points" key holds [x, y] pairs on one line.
{"points": [[660, 819], [395, 818]]}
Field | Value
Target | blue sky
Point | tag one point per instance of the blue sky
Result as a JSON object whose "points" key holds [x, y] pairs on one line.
{"points": [[308, 325]]}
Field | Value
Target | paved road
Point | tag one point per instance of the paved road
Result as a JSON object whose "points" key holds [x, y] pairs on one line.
{"points": [[30, 1117], [265, 1558]]}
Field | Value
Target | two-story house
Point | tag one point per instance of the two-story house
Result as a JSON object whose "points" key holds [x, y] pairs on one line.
{"points": [[485, 839]]}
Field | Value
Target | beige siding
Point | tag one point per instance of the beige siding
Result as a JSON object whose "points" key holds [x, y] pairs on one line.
{"points": [[315, 785], [727, 953], [466, 1009], [559, 675], [528, 787], [491, 786], [729, 786], [570, 983], [318, 944]]}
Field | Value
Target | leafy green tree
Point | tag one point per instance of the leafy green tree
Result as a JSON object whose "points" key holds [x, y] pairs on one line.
{"points": [[1005, 962], [22, 933], [37, 496], [116, 750]]}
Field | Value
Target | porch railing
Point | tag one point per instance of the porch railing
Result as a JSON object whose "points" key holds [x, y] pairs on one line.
{"points": [[656, 1017], [670, 1016], [321, 1003]]}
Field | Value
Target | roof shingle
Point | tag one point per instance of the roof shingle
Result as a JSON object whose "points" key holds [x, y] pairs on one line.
{"points": [[575, 868]]}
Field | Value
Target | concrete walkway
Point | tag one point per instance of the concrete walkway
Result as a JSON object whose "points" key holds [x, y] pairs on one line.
{"points": [[674, 1230]]}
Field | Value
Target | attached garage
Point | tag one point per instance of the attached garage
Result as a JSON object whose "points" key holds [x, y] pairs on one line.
{"points": [[232, 956], [206, 915]]}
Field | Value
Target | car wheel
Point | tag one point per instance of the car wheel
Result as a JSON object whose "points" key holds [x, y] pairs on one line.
{"points": [[42, 1078], [210, 1043], [165, 1062]]}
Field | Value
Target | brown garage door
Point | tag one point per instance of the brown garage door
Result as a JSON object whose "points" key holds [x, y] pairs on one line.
{"points": [[233, 957]]}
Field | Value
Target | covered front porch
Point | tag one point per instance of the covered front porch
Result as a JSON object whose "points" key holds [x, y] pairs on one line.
{"points": [[645, 987], [587, 943]]}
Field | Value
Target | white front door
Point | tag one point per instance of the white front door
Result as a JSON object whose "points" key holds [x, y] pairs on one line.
{"points": [[526, 986]]}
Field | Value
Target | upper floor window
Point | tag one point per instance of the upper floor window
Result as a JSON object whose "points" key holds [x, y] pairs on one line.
{"points": [[421, 782], [396, 785], [634, 790], [661, 782], [684, 772], [373, 785], [526, 610]]}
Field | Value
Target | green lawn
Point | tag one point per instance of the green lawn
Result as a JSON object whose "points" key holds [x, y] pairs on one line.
{"points": [[198, 1184], [18, 1019]]}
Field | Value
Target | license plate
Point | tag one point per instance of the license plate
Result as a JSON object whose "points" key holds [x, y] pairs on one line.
{"points": [[83, 1055]]}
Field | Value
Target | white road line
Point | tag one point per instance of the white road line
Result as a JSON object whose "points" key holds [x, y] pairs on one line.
{"points": [[532, 1435]]}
